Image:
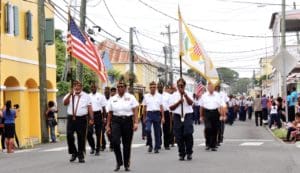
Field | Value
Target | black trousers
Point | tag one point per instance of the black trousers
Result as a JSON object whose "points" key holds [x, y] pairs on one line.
{"points": [[2, 138], [291, 113], [265, 113], [183, 132], [78, 126], [221, 131], [212, 123], [258, 114], [167, 129], [98, 128], [122, 128]]}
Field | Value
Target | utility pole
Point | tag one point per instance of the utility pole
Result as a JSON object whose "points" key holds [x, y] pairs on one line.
{"points": [[131, 56], [165, 49], [79, 71], [283, 48], [168, 33], [42, 70], [297, 33]]}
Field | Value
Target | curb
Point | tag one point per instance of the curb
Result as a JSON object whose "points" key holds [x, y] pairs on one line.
{"points": [[277, 139]]}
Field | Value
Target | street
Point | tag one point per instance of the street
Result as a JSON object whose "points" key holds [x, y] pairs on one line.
{"points": [[246, 148]]}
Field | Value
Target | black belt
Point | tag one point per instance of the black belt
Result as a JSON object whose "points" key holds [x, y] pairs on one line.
{"points": [[97, 112], [78, 117], [122, 116], [210, 110], [153, 111]]}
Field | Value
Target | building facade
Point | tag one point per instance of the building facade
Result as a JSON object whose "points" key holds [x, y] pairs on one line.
{"points": [[19, 66]]}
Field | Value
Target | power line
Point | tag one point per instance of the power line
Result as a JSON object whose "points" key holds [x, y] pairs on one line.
{"points": [[202, 28], [149, 37], [109, 12], [243, 51]]}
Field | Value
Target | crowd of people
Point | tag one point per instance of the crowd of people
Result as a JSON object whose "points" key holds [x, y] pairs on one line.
{"points": [[169, 111]]}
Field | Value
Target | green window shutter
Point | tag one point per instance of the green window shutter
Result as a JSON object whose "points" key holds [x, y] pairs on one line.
{"points": [[6, 18], [49, 32], [28, 25], [16, 20]]}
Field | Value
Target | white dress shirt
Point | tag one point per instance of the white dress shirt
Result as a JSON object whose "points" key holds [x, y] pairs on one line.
{"points": [[175, 97], [211, 101], [83, 103], [153, 102], [249, 103], [122, 106], [165, 101], [98, 101]]}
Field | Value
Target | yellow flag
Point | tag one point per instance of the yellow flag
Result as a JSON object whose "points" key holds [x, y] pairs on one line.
{"points": [[192, 53]]}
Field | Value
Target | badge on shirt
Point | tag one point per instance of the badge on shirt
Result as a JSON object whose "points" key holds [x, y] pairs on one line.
{"points": [[127, 99]]}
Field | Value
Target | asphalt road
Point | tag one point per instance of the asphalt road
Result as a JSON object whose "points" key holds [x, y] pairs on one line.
{"points": [[246, 149]]}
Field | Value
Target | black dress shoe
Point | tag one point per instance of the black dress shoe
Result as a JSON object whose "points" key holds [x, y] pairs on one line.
{"points": [[81, 160], [207, 148], [156, 151], [127, 169], [167, 148], [117, 168], [214, 149], [189, 157], [92, 152], [181, 158], [97, 153], [73, 157], [150, 149]]}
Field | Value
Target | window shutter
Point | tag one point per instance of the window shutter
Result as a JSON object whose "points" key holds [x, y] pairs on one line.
{"points": [[49, 32], [10, 19], [6, 17], [28, 25], [16, 20]]}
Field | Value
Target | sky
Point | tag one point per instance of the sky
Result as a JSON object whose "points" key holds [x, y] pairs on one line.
{"points": [[243, 17]]}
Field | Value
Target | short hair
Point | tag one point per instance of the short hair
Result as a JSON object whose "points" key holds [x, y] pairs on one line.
{"points": [[113, 89], [297, 114], [76, 82], [122, 82], [181, 80], [152, 83], [51, 104]]}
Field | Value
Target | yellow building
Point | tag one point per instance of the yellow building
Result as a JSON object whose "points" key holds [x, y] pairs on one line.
{"points": [[19, 70], [145, 70]]}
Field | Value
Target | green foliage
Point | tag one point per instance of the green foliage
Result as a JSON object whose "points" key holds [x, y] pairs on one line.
{"points": [[114, 73], [240, 86], [63, 88], [228, 75], [60, 50], [280, 133]]}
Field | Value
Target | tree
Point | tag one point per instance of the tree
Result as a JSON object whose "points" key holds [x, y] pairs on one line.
{"points": [[240, 86], [228, 75]]}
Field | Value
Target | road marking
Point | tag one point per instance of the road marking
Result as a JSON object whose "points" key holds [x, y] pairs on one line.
{"points": [[26, 150], [240, 140], [55, 149], [202, 144], [251, 144], [137, 145]]}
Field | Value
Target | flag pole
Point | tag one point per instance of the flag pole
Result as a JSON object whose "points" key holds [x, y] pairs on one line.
{"points": [[180, 53], [71, 63]]}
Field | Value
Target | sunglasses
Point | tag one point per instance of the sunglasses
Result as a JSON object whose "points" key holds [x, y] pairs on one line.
{"points": [[121, 86]]}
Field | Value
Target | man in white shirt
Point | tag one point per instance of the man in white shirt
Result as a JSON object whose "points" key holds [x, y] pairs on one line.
{"points": [[79, 107], [243, 108], [167, 125], [211, 105], [98, 105], [181, 105], [224, 98], [154, 113], [230, 106]]}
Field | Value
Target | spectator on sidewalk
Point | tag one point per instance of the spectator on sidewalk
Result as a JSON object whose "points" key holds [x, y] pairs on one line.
{"points": [[294, 126], [9, 116], [274, 116], [51, 121]]}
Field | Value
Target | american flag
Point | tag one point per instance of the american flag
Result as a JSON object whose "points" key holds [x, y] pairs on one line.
{"points": [[81, 47], [197, 49], [199, 89]]}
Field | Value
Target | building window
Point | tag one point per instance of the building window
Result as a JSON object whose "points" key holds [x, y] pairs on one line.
{"points": [[28, 21], [11, 19]]}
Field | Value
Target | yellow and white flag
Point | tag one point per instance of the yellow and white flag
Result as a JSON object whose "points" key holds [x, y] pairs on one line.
{"points": [[193, 54]]}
